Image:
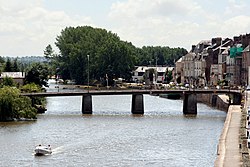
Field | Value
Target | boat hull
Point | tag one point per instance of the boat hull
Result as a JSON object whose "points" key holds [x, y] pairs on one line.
{"points": [[42, 150]]}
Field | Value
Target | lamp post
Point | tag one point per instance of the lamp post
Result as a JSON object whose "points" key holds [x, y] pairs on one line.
{"points": [[156, 73], [88, 72]]}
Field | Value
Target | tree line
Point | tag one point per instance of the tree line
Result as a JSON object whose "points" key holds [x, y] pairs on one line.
{"points": [[102, 55]]}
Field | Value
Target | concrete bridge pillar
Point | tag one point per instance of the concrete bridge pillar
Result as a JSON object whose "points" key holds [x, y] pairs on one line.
{"points": [[237, 98], [190, 104], [137, 104], [214, 100], [87, 104]]}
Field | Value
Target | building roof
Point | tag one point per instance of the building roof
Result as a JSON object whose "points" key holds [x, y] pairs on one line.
{"points": [[180, 60], [225, 52], [13, 74], [205, 42], [222, 46], [159, 69], [247, 49]]}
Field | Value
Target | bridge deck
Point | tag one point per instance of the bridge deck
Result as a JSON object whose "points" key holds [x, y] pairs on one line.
{"points": [[125, 92]]}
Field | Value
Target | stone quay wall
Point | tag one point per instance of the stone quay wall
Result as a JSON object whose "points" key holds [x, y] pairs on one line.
{"points": [[218, 101]]}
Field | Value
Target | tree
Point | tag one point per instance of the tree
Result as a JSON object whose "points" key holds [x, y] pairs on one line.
{"points": [[8, 66], [12, 105], [108, 54], [37, 73], [169, 76], [53, 63], [48, 52], [7, 81], [150, 55], [15, 67]]}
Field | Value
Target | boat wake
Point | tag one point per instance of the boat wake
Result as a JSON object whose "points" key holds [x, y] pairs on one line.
{"points": [[58, 150]]}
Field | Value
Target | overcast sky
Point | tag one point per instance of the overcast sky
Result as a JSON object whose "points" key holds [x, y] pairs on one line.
{"points": [[28, 26]]}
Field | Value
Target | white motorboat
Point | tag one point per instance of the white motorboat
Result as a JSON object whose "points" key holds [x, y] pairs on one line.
{"points": [[43, 150]]}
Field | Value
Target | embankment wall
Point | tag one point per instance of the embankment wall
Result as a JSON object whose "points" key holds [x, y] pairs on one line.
{"points": [[218, 101]]}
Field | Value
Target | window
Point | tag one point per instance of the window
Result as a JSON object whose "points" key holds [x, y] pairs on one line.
{"points": [[140, 73]]}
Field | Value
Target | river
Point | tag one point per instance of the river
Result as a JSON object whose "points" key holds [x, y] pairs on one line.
{"points": [[112, 137]]}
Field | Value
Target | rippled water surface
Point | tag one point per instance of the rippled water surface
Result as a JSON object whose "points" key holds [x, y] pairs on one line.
{"points": [[114, 137]]}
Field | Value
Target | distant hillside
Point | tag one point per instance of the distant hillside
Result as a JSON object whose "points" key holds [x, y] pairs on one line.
{"points": [[28, 59]]}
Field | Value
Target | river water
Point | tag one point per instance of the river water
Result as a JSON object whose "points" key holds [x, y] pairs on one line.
{"points": [[112, 137]]}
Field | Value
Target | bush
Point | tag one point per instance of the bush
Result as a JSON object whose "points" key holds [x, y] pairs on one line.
{"points": [[34, 88], [7, 81], [13, 106]]}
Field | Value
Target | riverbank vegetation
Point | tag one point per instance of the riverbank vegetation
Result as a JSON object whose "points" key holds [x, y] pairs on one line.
{"points": [[13, 106]]}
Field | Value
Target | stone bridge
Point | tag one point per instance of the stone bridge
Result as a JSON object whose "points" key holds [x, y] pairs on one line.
{"points": [[189, 97]]}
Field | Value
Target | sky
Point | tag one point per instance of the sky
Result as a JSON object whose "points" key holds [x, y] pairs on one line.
{"points": [[27, 27]]}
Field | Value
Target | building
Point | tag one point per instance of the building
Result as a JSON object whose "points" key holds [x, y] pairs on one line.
{"points": [[178, 71], [144, 74], [216, 61], [18, 77], [194, 64], [188, 67], [246, 65]]}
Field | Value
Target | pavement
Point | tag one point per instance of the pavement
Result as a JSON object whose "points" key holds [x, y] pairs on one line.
{"points": [[228, 151]]}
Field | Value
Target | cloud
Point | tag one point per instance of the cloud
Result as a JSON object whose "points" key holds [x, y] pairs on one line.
{"points": [[26, 28], [161, 22], [237, 25], [176, 23], [142, 9]]}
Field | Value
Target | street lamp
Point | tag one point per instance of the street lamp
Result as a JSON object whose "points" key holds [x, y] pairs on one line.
{"points": [[88, 73]]}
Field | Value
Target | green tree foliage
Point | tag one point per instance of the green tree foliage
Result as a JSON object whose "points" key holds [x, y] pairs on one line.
{"points": [[37, 73], [2, 62], [108, 54], [53, 63], [14, 106], [48, 52], [7, 81], [15, 67], [11, 65], [8, 66], [159, 55], [33, 88], [169, 76]]}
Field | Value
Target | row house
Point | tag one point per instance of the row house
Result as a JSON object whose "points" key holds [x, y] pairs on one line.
{"points": [[239, 51], [194, 64], [217, 60], [246, 65], [188, 67]]}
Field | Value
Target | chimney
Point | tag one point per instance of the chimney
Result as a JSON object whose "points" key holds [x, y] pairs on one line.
{"points": [[193, 48]]}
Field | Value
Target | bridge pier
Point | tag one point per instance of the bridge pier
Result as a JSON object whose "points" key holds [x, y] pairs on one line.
{"points": [[87, 104], [214, 100], [237, 99], [137, 104], [190, 104]]}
